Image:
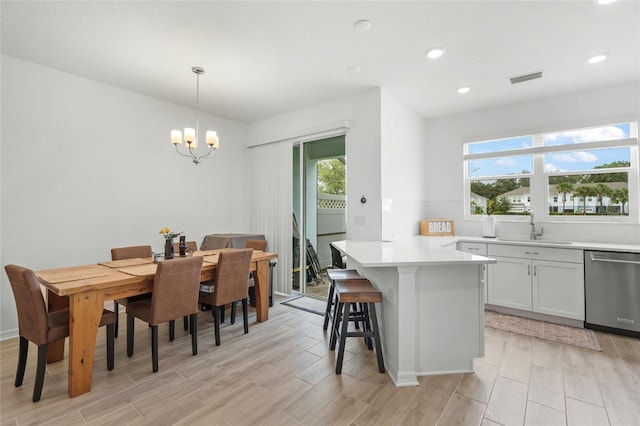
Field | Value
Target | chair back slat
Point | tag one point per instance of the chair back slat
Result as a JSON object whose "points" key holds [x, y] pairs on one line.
{"points": [[175, 289], [232, 276], [260, 245], [131, 252], [191, 246], [32, 311]]}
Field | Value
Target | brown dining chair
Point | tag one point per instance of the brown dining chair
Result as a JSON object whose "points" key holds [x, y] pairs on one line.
{"points": [[191, 247], [231, 285], [259, 245], [130, 252], [37, 325], [175, 294]]}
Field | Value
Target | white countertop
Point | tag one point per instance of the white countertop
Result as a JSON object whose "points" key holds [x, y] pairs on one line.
{"points": [[542, 243], [412, 251]]}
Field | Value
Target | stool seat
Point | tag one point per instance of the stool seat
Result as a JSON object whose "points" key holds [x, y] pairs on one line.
{"points": [[344, 274], [357, 291], [337, 275]]}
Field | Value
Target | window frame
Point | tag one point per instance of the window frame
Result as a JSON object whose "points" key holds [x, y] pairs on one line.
{"points": [[539, 178]]}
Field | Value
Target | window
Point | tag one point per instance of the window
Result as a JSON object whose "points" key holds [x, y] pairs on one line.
{"points": [[587, 174]]}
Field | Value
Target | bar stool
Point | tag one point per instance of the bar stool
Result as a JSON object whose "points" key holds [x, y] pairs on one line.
{"points": [[336, 275], [358, 291]]}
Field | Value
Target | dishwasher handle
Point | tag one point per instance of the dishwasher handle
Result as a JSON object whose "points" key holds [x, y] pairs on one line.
{"points": [[597, 259]]}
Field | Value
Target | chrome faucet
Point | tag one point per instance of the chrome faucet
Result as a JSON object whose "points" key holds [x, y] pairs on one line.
{"points": [[534, 234]]}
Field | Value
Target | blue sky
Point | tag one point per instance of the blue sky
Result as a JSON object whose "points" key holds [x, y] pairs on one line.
{"points": [[558, 161]]}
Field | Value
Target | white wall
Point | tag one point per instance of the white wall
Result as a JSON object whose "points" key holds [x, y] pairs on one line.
{"points": [[87, 167], [446, 136], [362, 150], [403, 171]]}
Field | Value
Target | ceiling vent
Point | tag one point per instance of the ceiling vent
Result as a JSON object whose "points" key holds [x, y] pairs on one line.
{"points": [[526, 77]]}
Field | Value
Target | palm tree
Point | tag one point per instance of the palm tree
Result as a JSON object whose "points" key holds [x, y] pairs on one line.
{"points": [[584, 192], [601, 190], [615, 199], [621, 196], [564, 188]]}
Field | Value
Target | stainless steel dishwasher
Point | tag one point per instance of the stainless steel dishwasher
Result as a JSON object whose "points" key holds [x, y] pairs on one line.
{"points": [[612, 292]]}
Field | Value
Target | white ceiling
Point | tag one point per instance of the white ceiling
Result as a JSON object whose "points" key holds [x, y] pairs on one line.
{"points": [[266, 58]]}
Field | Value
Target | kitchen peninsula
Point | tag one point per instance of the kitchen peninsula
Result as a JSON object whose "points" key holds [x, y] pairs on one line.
{"points": [[432, 313]]}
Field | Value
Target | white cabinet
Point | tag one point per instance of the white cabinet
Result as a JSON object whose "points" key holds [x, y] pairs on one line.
{"points": [[510, 283], [558, 288], [480, 249], [539, 279]]}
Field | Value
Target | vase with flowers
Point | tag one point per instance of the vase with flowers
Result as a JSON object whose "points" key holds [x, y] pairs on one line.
{"points": [[168, 241]]}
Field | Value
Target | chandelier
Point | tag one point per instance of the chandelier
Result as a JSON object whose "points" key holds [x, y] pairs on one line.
{"points": [[191, 135]]}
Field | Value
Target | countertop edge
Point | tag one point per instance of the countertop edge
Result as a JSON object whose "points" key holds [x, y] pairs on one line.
{"points": [[575, 245]]}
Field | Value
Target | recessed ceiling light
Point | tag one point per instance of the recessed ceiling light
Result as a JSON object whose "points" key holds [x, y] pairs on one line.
{"points": [[434, 52], [604, 1], [597, 58], [354, 70], [362, 25], [462, 90]]}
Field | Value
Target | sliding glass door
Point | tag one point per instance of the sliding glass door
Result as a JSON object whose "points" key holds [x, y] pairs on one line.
{"points": [[319, 210]]}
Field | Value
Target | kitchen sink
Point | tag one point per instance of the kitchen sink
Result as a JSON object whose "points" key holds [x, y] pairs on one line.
{"points": [[528, 241]]}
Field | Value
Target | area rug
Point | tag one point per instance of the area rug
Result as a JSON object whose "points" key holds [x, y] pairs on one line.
{"points": [[556, 333], [309, 304]]}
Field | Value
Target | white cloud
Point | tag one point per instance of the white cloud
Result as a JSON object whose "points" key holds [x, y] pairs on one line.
{"points": [[551, 168], [506, 162], [589, 135], [575, 157]]}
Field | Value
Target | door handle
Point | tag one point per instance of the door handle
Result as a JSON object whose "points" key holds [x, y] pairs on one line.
{"points": [[535, 269], [599, 259], [528, 269]]}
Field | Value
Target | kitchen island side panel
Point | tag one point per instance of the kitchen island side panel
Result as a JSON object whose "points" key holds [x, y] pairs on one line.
{"points": [[431, 318], [450, 318]]}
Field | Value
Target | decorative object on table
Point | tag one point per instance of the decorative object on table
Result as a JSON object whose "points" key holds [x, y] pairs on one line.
{"points": [[436, 227], [183, 246], [168, 241], [191, 134]]}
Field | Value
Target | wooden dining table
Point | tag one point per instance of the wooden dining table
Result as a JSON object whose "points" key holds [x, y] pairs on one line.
{"points": [[85, 289]]}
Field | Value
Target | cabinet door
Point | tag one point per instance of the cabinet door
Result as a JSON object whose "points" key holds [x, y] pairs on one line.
{"points": [[510, 283], [558, 289]]}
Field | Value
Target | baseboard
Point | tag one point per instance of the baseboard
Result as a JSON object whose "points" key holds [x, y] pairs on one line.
{"points": [[535, 316], [8, 334], [612, 330]]}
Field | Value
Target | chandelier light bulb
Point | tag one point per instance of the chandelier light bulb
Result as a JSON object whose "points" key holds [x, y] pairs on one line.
{"points": [[176, 137], [189, 135]]}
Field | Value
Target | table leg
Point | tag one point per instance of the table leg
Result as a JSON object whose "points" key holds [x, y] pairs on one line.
{"points": [[261, 279], [55, 350], [85, 313]]}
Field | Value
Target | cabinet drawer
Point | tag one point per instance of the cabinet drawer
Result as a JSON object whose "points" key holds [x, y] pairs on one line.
{"points": [[536, 252], [474, 248]]}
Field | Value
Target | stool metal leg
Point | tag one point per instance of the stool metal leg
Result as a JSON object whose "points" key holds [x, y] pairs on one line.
{"points": [[374, 324], [337, 312], [327, 312], [343, 337], [364, 307]]}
